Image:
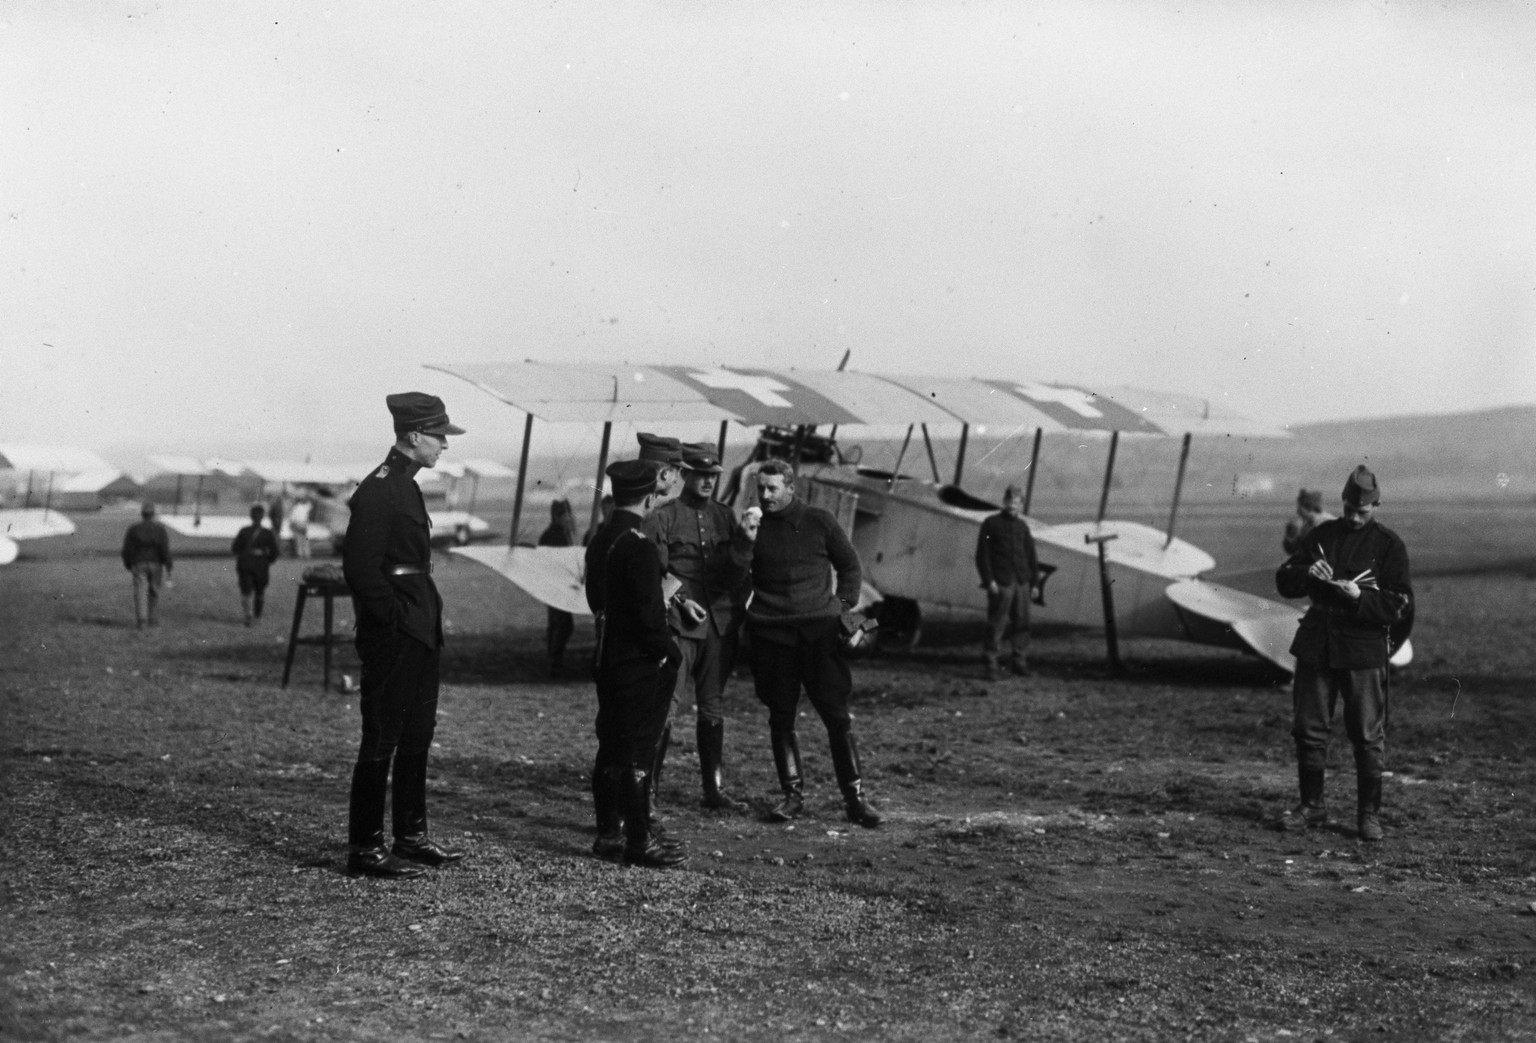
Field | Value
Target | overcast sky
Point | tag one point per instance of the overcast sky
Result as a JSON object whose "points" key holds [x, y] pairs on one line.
{"points": [[229, 219]]}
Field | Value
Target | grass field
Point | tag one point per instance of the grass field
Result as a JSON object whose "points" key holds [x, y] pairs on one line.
{"points": [[1079, 856]]}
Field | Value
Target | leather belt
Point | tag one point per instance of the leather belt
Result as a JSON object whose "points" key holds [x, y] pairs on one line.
{"points": [[409, 570]]}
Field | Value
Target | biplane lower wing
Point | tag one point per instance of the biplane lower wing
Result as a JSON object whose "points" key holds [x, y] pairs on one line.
{"points": [[1217, 615], [555, 576], [33, 523]]}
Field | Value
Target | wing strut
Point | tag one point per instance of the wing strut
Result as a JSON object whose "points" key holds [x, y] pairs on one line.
{"points": [[197, 503], [177, 509], [1178, 488], [1109, 474], [928, 442], [522, 476], [602, 468], [720, 457], [1034, 458], [965, 436], [900, 457]]}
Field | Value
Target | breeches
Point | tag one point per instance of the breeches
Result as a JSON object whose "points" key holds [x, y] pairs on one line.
{"points": [[252, 581], [1008, 616], [1317, 693], [557, 634], [705, 666], [633, 698], [780, 671], [147, 577], [398, 697]]}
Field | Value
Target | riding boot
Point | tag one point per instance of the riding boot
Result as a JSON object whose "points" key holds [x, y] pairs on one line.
{"points": [[711, 741], [258, 602], [1368, 820], [245, 608], [408, 812], [786, 759], [641, 848], [608, 804], [366, 852], [845, 763], [1312, 812], [659, 832]]}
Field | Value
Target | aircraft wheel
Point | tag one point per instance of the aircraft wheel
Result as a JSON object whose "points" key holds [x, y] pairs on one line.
{"points": [[901, 622]]}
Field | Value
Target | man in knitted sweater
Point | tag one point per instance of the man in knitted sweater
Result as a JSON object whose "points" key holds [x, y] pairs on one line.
{"points": [[805, 574]]}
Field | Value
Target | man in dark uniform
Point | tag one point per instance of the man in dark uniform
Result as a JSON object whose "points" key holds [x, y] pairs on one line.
{"points": [[705, 550], [635, 667], [805, 575], [387, 560], [667, 454], [255, 548], [147, 554], [1355, 571], [1005, 560]]}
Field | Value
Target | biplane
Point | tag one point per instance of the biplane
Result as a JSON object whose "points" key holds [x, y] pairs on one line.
{"points": [[916, 537], [53, 463], [327, 484]]}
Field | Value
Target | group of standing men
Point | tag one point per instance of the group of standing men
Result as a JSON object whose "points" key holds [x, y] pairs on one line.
{"points": [[675, 579]]}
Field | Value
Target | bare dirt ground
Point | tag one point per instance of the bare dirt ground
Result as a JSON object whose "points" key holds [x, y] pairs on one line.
{"points": [[1076, 856]]}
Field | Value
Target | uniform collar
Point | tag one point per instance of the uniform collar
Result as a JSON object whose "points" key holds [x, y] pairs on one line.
{"points": [[397, 459], [693, 501]]}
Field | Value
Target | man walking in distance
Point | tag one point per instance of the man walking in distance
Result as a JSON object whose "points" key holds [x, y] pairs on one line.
{"points": [[794, 620], [387, 560], [704, 548], [1355, 571], [254, 548], [1005, 560], [635, 667], [147, 555]]}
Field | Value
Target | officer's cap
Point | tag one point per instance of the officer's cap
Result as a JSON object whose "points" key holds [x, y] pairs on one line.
{"points": [[148, 509], [659, 449], [632, 479], [700, 457], [1360, 488], [1310, 499], [418, 411]]}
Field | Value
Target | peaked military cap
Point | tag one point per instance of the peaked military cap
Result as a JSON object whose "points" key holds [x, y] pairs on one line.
{"points": [[701, 458], [660, 449], [1311, 499], [1360, 487], [632, 479], [418, 411]]}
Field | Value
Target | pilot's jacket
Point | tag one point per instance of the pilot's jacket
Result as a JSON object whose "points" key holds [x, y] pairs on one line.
{"points": [[624, 586], [804, 569], [1337, 633], [1005, 552], [388, 534], [702, 545]]}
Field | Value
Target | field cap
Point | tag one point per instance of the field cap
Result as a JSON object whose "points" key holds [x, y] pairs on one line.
{"points": [[148, 509], [700, 458], [1360, 489], [1311, 499], [418, 411], [659, 449], [1013, 491], [632, 479]]}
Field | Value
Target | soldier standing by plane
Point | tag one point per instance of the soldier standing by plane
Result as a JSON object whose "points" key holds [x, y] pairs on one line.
{"points": [[1356, 573], [147, 554], [1010, 573], [795, 621], [635, 667], [706, 550], [1309, 515], [387, 560]]}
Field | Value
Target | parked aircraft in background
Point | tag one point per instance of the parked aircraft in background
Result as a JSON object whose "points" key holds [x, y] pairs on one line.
{"points": [[916, 537], [35, 470]]}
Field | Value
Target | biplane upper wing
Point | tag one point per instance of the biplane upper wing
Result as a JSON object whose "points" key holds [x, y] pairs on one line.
{"points": [[593, 392]]}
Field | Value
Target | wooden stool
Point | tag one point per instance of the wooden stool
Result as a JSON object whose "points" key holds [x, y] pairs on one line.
{"points": [[329, 590]]}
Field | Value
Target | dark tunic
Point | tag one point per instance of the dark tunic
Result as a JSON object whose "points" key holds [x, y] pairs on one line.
{"points": [[146, 543], [702, 544], [388, 528], [1338, 633], [254, 549], [1005, 552]]}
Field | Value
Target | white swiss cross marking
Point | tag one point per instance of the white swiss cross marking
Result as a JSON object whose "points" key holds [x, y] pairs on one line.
{"points": [[1077, 401], [760, 388]]}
